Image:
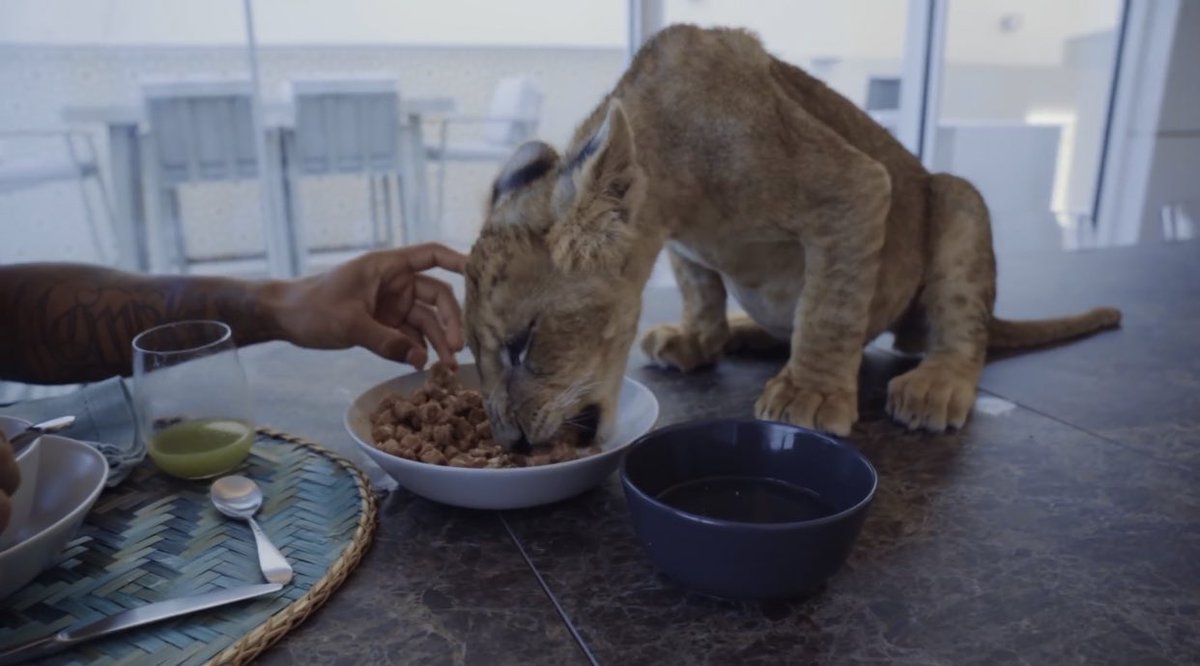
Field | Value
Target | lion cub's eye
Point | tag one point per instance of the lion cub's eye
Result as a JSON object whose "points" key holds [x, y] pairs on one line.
{"points": [[517, 347]]}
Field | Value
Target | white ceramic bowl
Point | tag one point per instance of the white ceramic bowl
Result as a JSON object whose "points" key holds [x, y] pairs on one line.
{"points": [[637, 411], [66, 484]]}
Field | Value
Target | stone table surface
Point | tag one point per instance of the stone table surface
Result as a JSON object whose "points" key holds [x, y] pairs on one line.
{"points": [[1062, 525]]}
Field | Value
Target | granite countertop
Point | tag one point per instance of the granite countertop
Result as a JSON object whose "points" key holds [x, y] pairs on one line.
{"points": [[1062, 525]]}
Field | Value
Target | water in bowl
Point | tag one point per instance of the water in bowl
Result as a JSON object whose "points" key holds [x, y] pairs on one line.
{"points": [[747, 499]]}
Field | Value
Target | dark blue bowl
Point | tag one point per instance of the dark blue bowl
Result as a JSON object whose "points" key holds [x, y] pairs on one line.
{"points": [[747, 509]]}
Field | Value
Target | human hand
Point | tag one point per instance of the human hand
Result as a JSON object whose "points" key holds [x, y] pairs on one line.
{"points": [[10, 478], [380, 301]]}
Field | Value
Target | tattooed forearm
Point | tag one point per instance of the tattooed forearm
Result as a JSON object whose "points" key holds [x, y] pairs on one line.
{"points": [[62, 323]]}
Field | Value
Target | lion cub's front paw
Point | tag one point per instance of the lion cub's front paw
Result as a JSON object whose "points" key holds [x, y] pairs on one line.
{"points": [[808, 404], [932, 396], [671, 346]]}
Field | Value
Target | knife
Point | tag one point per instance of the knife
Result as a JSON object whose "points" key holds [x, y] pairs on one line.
{"points": [[134, 617]]}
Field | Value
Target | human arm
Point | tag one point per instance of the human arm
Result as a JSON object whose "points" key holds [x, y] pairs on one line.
{"points": [[73, 323]]}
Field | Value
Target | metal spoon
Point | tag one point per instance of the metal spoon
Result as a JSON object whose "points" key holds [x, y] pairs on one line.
{"points": [[239, 497], [24, 438]]}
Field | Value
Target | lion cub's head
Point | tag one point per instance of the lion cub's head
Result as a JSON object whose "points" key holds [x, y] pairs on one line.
{"points": [[554, 286]]}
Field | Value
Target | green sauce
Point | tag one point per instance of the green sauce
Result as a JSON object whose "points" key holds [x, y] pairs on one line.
{"points": [[202, 448]]}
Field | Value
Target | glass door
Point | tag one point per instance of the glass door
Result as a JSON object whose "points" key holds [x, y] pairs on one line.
{"points": [[1023, 110]]}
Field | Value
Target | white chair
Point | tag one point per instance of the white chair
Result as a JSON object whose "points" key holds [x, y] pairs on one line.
{"points": [[351, 126], [201, 131], [512, 117], [77, 162]]}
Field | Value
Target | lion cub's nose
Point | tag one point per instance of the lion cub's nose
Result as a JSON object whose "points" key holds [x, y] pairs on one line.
{"points": [[522, 445]]}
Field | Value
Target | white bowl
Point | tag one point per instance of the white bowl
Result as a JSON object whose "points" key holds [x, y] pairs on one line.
{"points": [[21, 501], [67, 483], [506, 488]]}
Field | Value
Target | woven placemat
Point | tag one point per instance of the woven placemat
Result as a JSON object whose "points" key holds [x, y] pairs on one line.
{"points": [[154, 538]]}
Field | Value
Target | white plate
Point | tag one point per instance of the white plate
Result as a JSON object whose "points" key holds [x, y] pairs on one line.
{"points": [[68, 481], [637, 411]]}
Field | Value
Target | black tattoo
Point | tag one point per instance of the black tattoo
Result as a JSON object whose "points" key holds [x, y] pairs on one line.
{"points": [[62, 323]]}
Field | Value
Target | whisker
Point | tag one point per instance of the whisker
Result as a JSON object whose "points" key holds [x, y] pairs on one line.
{"points": [[563, 401]]}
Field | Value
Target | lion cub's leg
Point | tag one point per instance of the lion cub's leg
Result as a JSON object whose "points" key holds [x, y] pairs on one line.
{"points": [[747, 337], [957, 299], [696, 341], [818, 388]]}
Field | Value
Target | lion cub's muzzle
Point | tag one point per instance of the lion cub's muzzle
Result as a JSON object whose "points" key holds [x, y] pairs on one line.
{"points": [[580, 430]]}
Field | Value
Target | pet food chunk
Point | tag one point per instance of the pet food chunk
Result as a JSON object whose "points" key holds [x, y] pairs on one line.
{"points": [[433, 456], [404, 411], [431, 413], [443, 423], [383, 432]]}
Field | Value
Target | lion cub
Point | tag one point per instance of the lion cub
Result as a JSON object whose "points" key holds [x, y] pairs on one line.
{"points": [[763, 184]]}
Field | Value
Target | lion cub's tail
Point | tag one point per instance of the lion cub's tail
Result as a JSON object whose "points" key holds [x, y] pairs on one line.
{"points": [[1005, 334]]}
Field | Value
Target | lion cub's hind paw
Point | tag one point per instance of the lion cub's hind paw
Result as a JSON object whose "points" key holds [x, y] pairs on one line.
{"points": [[672, 347]]}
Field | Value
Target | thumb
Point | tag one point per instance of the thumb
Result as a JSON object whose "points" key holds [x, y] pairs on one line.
{"points": [[388, 342]]}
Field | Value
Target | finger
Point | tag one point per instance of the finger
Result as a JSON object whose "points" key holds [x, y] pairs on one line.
{"points": [[441, 297], [424, 319], [10, 474], [434, 255], [384, 341], [417, 356], [414, 333]]}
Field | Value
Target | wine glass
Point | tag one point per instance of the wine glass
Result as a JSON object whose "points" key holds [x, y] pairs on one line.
{"points": [[191, 398]]}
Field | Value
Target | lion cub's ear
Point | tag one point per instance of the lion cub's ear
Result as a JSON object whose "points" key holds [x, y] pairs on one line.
{"points": [[529, 162], [595, 199]]}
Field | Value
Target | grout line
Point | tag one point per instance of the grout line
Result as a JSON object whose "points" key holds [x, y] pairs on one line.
{"points": [[562, 613], [1057, 419], [1087, 431]]}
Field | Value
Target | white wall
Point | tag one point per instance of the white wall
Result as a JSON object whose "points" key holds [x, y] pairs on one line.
{"points": [[798, 30], [976, 33]]}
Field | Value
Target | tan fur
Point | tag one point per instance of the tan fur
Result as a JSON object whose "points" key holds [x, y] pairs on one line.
{"points": [[764, 184]]}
